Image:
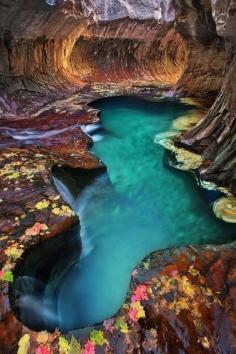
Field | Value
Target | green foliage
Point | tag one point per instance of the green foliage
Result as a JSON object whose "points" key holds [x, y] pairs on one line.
{"points": [[64, 346], [97, 337], [8, 276], [75, 347], [121, 325]]}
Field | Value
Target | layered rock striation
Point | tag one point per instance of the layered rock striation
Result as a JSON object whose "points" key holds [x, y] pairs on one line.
{"points": [[65, 44], [214, 136]]}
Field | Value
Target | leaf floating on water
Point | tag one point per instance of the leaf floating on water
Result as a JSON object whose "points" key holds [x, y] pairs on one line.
{"points": [[24, 344]]}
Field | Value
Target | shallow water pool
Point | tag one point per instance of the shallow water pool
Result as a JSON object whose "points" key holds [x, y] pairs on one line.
{"points": [[138, 206]]}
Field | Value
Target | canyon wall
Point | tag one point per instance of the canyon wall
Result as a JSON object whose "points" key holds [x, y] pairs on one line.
{"points": [[63, 45], [53, 54], [214, 136], [50, 49]]}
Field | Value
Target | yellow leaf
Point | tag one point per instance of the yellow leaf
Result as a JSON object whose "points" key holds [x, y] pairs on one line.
{"points": [[13, 252], [24, 344], [63, 211], [187, 287], [42, 337], [42, 205], [139, 308], [14, 175], [56, 211], [64, 346]]}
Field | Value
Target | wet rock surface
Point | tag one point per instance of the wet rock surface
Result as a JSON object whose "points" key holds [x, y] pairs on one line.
{"points": [[214, 136], [31, 209], [181, 301]]}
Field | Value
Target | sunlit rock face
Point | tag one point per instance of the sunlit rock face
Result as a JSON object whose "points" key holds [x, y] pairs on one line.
{"points": [[49, 42], [57, 47], [66, 44], [131, 55]]}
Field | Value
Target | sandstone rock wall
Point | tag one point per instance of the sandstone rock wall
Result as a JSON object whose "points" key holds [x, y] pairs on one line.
{"points": [[59, 46], [214, 137]]}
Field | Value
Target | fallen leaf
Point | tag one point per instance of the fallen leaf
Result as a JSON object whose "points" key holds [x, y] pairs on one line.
{"points": [[24, 344], [42, 204]]}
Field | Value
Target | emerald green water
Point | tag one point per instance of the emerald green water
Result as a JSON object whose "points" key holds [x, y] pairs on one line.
{"points": [[139, 206]]}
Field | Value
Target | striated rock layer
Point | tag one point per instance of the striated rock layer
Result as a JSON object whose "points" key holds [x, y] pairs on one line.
{"points": [[76, 42], [214, 136], [51, 49]]}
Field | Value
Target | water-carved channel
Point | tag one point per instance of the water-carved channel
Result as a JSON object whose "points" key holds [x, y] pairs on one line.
{"points": [[137, 206]]}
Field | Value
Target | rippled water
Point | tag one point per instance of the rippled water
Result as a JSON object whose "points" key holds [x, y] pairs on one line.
{"points": [[138, 206]]}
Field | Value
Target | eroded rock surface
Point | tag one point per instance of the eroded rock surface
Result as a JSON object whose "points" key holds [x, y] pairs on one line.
{"points": [[56, 56], [214, 136], [180, 301]]}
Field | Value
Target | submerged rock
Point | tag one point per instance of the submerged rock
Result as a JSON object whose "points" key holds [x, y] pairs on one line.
{"points": [[185, 160], [187, 122], [225, 209]]}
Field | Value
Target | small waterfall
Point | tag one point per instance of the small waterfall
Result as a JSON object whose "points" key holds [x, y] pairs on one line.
{"points": [[33, 303], [64, 191], [80, 205], [94, 131], [79, 202]]}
